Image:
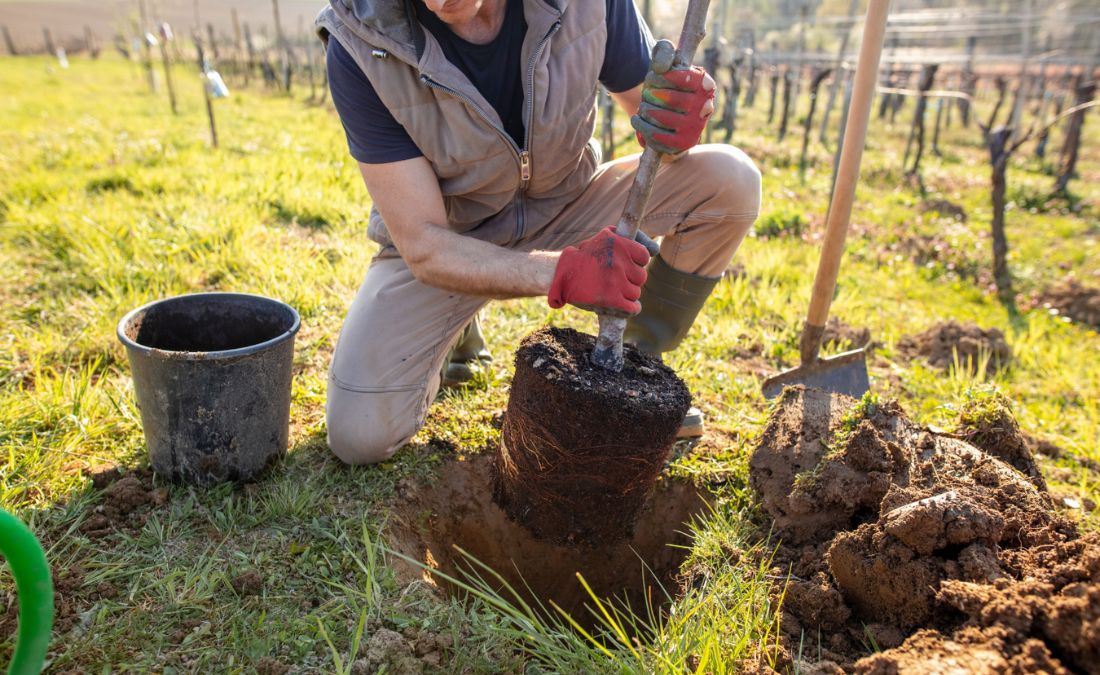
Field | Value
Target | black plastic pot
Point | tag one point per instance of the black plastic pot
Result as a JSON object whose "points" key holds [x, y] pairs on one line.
{"points": [[212, 376]]}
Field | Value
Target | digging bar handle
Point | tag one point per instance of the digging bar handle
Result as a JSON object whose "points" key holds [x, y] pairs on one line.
{"points": [[608, 353], [840, 213]]}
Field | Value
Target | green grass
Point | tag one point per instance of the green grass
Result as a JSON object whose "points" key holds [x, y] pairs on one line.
{"points": [[108, 201]]}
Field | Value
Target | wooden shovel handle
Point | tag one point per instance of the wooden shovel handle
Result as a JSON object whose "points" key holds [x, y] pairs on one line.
{"points": [[840, 211]]}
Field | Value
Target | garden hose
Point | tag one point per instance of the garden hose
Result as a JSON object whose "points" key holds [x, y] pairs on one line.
{"points": [[32, 582]]}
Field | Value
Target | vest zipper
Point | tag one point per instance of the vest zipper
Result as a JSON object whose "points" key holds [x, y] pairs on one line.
{"points": [[523, 155]]}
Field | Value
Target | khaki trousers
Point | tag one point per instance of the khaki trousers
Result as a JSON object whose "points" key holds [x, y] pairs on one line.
{"points": [[386, 368]]}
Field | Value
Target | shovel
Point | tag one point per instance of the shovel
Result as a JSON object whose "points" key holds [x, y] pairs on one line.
{"points": [[845, 373]]}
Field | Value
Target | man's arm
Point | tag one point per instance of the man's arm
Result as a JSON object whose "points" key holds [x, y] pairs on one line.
{"points": [[630, 100], [407, 195]]}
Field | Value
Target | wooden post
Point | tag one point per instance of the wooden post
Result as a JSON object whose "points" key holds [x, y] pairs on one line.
{"points": [[251, 50], [311, 65], [840, 132], [203, 68], [47, 37], [1084, 88], [607, 128], [729, 116], [215, 56], [8, 41], [773, 78], [750, 90], [803, 13], [969, 83], [815, 84], [838, 72], [927, 77], [238, 46], [788, 84], [147, 48], [885, 99], [940, 105], [90, 45], [284, 48], [165, 38], [1023, 86]]}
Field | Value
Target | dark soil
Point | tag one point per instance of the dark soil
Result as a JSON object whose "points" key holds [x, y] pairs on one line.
{"points": [[944, 343], [433, 522], [247, 583], [921, 544], [1074, 300], [944, 208], [581, 447], [844, 336], [127, 500]]}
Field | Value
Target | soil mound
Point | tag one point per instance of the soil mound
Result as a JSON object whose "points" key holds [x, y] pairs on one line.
{"points": [[1075, 300], [945, 208], [127, 501], [921, 543], [967, 343], [842, 335], [436, 524]]}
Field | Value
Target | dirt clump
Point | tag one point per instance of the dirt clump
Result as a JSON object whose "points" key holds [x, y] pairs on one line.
{"points": [[842, 335], [944, 207], [247, 583], [1074, 300], [581, 447], [949, 342], [986, 422], [126, 501], [922, 544]]}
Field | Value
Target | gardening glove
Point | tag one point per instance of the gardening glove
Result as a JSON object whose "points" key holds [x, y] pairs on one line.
{"points": [[676, 104], [604, 273]]}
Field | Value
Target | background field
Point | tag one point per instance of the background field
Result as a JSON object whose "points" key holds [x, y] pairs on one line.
{"points": [[108, 201]]}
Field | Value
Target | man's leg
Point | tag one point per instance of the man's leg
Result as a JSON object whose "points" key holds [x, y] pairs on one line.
{"points": [[386, 368]]}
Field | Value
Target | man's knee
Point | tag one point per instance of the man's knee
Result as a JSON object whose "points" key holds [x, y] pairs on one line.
{"points": [[733, 176], [361, 432]]}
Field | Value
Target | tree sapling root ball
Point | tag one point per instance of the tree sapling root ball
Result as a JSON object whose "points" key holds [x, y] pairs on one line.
{"points": [[582, 447]]}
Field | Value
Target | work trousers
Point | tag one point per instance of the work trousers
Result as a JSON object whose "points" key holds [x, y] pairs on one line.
{"points": [[386, 368]]}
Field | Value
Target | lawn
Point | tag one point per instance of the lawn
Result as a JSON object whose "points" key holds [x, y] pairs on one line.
{"points": [[108, 201]]}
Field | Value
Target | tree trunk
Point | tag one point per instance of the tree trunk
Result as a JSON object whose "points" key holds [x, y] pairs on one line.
{"points": [[815, 85], [1067, 165], [998, 142], [729, 117], [927, 77], [788, 83], [774, 79]]}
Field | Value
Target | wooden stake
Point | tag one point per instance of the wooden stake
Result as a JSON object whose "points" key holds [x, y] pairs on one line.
{"points": [[146, 49], [788, 83], [47, 37], [8, 41], [165, 35], [838, 72], [238, 46], [204, 67]]}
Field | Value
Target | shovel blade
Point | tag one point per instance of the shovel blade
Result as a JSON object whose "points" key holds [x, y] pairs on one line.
{"points": [[842, 374]]}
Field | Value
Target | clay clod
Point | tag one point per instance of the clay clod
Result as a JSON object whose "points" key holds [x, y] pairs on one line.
{"points": [[959, 559]]}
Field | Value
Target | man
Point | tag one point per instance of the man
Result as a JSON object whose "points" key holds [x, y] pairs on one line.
{"points": [[472, 124]]}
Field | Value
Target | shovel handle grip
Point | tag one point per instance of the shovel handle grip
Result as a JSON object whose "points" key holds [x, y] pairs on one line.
{"points": [[840, 211], [608, 353]]}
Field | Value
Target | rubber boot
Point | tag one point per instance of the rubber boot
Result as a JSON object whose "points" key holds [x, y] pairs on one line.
{"points": [[467, 356], [671, 300]]}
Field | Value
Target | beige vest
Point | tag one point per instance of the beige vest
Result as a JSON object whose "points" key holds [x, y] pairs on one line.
{"points": [[492, 189]]}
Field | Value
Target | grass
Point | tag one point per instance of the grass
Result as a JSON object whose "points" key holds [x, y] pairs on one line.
{"points": [[108, 201]]}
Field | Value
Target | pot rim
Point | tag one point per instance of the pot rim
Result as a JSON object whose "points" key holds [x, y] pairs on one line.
{"points": [[176, 355]]}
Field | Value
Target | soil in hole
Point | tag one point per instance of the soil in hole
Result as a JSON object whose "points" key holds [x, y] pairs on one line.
{"points": [[458, 511], [921, 544], [580, 446]]}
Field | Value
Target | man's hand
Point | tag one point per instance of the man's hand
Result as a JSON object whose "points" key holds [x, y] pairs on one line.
{"points": [[604, 272], [676, 105]]}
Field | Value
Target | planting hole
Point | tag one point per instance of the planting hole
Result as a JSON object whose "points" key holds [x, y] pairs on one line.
{"points": [[457, 512]]}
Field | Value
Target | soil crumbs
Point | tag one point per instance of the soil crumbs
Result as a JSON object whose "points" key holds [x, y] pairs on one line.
{"points": [[921, 544], [967, 343], [1074, 300]]}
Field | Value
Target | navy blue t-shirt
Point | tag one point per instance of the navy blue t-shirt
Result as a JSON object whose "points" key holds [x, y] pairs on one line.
{"points": [[375, 137]]}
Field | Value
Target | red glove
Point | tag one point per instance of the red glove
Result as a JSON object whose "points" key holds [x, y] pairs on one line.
{"points": [[604, 272], [671, 117]]}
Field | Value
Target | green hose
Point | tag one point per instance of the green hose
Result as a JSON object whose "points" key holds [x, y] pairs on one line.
{"points": [[32, 581]]}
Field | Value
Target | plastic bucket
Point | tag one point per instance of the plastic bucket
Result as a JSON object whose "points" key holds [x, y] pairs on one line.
{"points": [[212, 376]]}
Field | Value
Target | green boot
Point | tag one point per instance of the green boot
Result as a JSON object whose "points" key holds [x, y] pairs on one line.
{"points": [[671, 300], [467, 356]]}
